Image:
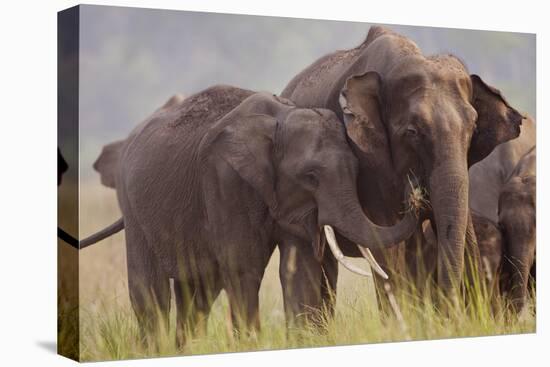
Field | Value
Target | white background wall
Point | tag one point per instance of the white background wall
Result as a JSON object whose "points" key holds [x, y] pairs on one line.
{"points": [[28, 184]]}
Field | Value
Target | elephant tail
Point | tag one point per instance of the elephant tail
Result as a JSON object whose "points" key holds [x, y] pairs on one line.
{"points": [[104, 233]]}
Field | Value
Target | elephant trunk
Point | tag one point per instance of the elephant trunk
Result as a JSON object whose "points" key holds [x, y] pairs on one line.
{"points": [[448, 186], [358, 228]]}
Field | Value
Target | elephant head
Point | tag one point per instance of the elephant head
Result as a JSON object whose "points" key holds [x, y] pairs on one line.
{"points": [[433, 119], [517, 220], [299, 163]]}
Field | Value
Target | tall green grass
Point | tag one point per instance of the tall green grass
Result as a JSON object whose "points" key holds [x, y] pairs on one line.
{"points": [[107, 328], [112, 332]]}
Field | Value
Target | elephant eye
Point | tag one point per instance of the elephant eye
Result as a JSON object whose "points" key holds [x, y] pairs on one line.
{"points": [[411, 131], [311, 178]]}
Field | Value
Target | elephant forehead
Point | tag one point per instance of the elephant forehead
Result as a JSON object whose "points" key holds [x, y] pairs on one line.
{"points": [[425, 104], [432, 104], [441, 72], [440, 63], [313, 125]]}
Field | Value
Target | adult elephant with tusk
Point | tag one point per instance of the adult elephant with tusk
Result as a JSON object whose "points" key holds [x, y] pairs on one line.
{"points": [[405, 113], [208, 188]]}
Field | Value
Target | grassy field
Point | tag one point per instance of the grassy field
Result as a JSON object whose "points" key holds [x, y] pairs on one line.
{"points": [[108, 329]]}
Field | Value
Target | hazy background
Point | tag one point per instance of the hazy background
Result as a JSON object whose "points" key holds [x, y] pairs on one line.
{"points": [[132, 60]]}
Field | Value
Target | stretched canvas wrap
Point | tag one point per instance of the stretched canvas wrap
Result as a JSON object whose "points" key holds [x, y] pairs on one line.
{"points": [[240, 183]]}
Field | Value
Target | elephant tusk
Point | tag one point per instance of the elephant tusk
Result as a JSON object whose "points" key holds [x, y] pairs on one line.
{"points": [[335, 249], [372, 262]]}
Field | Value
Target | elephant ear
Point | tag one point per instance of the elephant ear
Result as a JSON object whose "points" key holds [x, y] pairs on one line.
{"points": [[246, 144], [107, 163], [361, 107], [497, 122], [175, 100]]}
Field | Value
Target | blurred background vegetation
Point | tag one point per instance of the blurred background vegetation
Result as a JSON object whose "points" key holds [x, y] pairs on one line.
{"points": [[132, 60]]}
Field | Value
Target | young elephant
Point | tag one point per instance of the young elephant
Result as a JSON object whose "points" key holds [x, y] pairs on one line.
{"points": [[507, 249], [491, 248], [209, 187], [517, 219]]}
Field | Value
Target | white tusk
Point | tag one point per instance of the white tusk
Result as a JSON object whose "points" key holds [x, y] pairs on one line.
{"points": [[372, 262], [333, 245]]}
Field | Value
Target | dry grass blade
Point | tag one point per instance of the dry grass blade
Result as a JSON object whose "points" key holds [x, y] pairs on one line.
{"points": [[417, 199], [397, 311]]}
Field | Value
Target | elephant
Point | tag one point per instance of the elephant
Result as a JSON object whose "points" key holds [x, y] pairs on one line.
{"points": [[507, 247], [517, 220], [407, 114], [488, 177], [208, 188], [489, 180]]}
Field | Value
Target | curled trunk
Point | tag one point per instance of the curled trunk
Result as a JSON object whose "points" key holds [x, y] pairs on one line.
{"points": [[358, 228], [348, 219]]}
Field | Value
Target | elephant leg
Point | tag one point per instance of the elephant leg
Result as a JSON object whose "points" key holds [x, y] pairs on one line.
{"points": [[193, 304], [243, 290], [300, 275], [521, 257], [533, 280], [183, 292], [242, 257], [328, 283], [148, 286]]}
